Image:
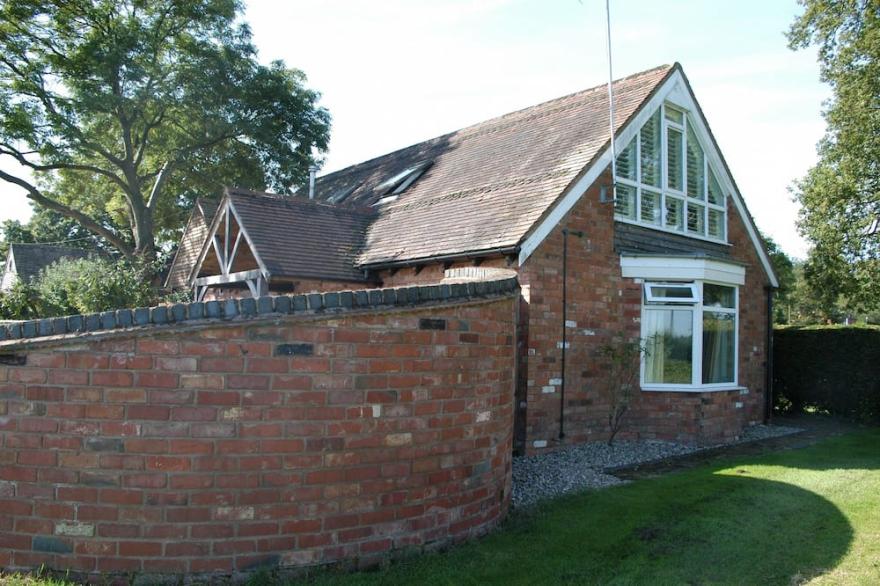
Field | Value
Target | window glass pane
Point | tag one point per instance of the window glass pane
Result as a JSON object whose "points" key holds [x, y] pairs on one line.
{"points": [[650, 207], [674, 162], [719, 296], [668, 346], [674, 213], [649, 157], [674, 115], [716, 224], [696, 221], [671, 292], [715, 195], [719, 342], [696, 180], [626, 162], [625, 201]]}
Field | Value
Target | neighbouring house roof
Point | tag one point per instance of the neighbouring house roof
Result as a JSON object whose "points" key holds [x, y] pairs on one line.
{"points": [[295, 237], [488, 183], [28, 260], [497, 186], [190, 246]]}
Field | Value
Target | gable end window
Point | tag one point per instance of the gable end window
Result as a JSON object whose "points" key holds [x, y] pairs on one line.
{"points": [[689, 330], [664, 179]]}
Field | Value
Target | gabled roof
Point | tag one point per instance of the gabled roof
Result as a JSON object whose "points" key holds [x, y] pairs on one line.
{"points": [[498, 186], [296, 237], [194, 236], [489, 183], [30, 259]]}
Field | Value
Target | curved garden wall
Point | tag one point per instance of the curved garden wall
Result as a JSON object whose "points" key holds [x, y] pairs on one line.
{"points": [[298, 432]]}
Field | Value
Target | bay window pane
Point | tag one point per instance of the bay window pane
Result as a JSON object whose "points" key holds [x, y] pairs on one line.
{"points": [[625, 201], [719, 347], [674, 159], [626, 162], [650, 207], [695, 221], [674, 214], [696, 180], [669, 346], [651, 151], [719, 296]]}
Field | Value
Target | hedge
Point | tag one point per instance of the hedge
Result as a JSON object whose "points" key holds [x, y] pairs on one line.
{"points": [[834, 369]]}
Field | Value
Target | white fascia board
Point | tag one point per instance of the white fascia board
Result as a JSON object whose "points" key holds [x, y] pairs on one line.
{"points": [[674, 90], [666, 268]]}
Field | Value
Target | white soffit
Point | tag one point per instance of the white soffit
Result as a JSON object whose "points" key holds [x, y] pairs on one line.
{"points": [[665, 268], [676, 91]]}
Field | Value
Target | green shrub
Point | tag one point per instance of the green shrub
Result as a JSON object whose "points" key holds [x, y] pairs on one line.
{"points": [[80, 286], [834, 369]]}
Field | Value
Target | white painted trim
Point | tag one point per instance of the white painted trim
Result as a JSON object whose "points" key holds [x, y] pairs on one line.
{"points": [[223, 210], [668, 268], [675, 90], [676, 232]]}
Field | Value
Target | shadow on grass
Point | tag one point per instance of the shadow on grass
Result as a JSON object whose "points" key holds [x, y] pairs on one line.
{"points": [[708, 525]]}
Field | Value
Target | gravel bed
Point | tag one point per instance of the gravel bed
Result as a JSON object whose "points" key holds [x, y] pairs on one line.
{"points": [[583, 466]]}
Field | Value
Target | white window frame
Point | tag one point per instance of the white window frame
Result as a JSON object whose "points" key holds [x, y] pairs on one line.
{"points": [[665, 191], [697, 309]]}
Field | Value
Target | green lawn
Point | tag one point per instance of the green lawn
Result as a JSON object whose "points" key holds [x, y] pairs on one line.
{"points": [[802, 516]]}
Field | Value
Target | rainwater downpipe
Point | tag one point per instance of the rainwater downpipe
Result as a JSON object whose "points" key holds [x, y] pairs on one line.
{"points": [[768, 408], [565, 233]]}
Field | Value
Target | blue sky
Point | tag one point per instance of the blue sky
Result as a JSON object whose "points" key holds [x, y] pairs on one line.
{"points": [[395, 72]]}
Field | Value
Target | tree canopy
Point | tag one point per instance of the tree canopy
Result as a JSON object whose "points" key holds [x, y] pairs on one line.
{"points": [[120, 112], [840, 196]]}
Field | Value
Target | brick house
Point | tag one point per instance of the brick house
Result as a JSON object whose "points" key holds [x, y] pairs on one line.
{"points": [[672, 258]]}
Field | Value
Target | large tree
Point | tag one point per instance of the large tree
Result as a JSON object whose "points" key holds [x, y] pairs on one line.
{"points": [[840, 196], [119, 112]]}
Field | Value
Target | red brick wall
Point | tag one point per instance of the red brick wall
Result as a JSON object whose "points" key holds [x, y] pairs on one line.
{"points": [[294, 442], [605, 306]]}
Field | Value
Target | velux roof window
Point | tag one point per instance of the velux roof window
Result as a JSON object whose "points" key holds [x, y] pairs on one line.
{"points": [[391, 188]]}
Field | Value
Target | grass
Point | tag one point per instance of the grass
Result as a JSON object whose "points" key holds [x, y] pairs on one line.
{"points": [[800, 516]]}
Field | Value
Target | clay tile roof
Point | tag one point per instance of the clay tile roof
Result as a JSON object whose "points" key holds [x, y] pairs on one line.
{"points": [[194, 236], [30, 259], [487, 184], [297, 237]]}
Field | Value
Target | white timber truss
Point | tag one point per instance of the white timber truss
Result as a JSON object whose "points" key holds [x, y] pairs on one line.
{"points": [[228, 256]]}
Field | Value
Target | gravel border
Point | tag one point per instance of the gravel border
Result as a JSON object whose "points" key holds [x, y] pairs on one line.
{"points": [[584, 466]]}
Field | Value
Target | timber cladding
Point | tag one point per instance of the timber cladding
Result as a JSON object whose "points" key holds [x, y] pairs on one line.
{"points": [[258, 443]]}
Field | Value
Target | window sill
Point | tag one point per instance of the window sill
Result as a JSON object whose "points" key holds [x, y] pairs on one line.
{"points": [[691, 389]]}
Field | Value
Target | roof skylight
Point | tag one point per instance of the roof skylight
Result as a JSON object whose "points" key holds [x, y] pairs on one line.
{"points": [[400, 182]]}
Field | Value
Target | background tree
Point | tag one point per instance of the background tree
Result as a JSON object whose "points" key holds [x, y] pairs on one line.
{"points": [[120, 112], [47, 226], [783, 266], [840, 196]]}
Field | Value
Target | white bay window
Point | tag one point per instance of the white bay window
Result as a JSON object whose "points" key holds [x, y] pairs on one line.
{"points": [[664, 179], [689, 331]]}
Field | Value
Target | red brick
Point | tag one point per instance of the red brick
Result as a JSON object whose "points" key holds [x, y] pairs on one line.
{"points": [[157, 380], [157, 346], [149, 412], [112, 378]]}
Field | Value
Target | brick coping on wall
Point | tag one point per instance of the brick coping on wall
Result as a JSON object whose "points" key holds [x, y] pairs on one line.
{"points": [[210, 312]]}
